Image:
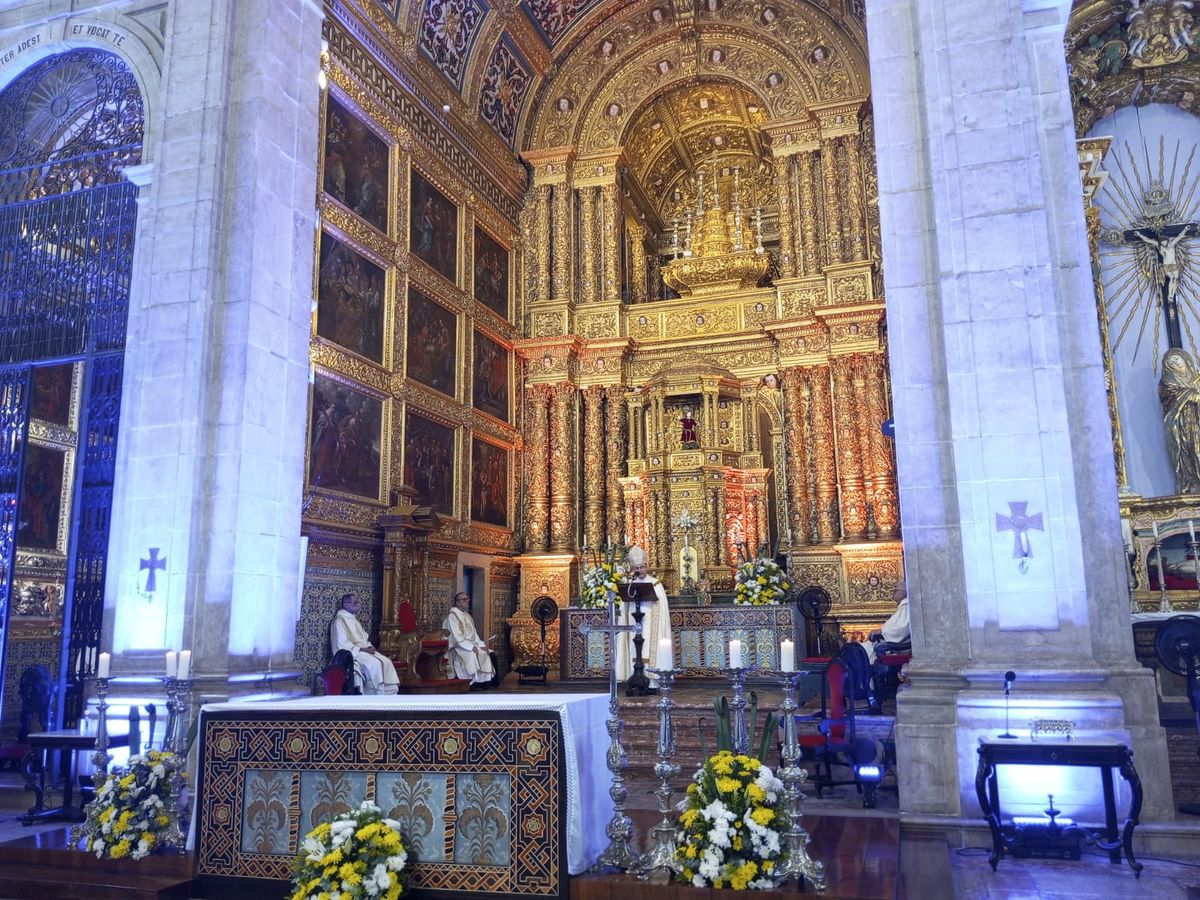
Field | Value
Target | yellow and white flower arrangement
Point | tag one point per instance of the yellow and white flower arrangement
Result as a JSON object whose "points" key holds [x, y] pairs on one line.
{"points": [[731, 828], [606, 573], [760, 581], [358, 854], [128, 818]]}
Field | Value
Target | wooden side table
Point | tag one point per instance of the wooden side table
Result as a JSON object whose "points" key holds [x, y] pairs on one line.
{"points": [[37, 760]]}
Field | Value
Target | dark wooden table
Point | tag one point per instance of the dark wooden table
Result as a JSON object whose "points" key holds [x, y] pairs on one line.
{"points": [[1103, 755], [37, 760]]}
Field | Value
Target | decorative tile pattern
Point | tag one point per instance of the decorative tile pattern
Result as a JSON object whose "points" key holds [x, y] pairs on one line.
{"points": [[482, 795], [323, 588], [505, 84], [554, 18], [448, 32]]}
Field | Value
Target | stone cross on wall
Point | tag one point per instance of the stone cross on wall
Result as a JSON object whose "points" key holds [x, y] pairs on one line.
{"points": [[153, 564], [1019, 522]]}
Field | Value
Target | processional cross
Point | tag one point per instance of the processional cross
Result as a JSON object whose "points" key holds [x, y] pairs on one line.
{"points": [[688, 558]]}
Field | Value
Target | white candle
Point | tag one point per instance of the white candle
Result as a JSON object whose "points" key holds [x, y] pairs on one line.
{"points": [[105, 662], [666, 655], [185, 664], [1154, 528], [787, 656], [171, 664], [735, 654], [1191, 531]]}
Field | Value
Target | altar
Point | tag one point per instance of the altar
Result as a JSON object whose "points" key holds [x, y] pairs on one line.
{"points": [[491, 793]]}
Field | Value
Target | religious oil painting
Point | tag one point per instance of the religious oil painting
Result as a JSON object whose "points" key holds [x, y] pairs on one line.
{"points": [[433, 227], [432, 345], [345, 439], [1178, 566], [41, 498], [350, 299], [490, 392], [489, 483], [491, 273], [429, 462], [50, 400], [356, 165]]}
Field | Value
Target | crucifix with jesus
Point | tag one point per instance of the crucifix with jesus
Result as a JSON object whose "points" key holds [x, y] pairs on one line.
{"points": [[1163, 241]]}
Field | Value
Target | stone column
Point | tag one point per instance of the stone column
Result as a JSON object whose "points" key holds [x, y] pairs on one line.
{"points": [[1021, 425], [563, 243], [616, 443], [588, 245], [833, 202], [810, 240], [211, 450], [855, 193], [537, 481], [849, 462], [799, 501], [823, 449], [787, 237], [562, 467], [543, 238], [883, 461], [593, 474]]}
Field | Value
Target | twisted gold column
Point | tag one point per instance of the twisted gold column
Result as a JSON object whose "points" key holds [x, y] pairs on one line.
{"points": [[666, 561], [654, 549], [787, 235], [611, 288], [593, 467], [537, 457], [543, 242], [714, 528], [722, 550], [561, 237], [616, 444], [637, 235], [823, 451], [849, 462], [799, 501], [883, 459], [861, 409], [833, 203], [562, 468], [810, 240], [855, 188], [588, 247]]}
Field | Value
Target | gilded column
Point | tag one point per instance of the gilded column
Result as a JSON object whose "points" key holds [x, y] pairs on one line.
{"points": [[722, 550], [542, 238], [611, 220], [883, 460], [666, 557], [714, 529], [833, 203], [637, 241], [593, 466], [866, 422], [653, 550], [810, 241], [849, 462], [563, 245], [823, 450], [617, 444], [787, 234], [562, 468], [858, 214], [587, 244], [538, 460], [799, 502]]}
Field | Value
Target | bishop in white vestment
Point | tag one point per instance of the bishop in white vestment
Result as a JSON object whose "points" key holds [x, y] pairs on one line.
{"points": [[376, 671], [655, 625], [896, 629], [469, 656]]}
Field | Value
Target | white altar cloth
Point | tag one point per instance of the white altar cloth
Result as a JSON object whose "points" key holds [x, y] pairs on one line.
{"points": [[585, 739]]}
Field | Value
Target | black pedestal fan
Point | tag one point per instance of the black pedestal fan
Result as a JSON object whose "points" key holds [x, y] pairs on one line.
{"points": [[814, 603], [1177, 646]]}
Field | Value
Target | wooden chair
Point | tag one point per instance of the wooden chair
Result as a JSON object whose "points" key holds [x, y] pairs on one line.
{"points": [[36, 689], [889, 660], [337, 678], [836, 732], [858, 671]]}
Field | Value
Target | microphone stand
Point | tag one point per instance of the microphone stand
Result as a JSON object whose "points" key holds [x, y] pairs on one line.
{"points": [[1008, 735]]}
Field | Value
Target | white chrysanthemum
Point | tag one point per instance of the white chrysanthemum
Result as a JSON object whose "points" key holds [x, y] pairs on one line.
{"points": [[396, 863]]}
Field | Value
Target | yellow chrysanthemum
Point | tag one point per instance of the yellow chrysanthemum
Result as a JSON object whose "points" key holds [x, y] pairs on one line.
{"points": [[120, 850], [764, 815], [727, 785], [755, 793]]}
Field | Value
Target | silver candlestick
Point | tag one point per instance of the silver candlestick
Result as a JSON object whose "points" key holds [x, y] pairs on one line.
{"points": [[1164, 602], [737, 706], [798, 863], [664, 834], [175, 741], [100, 757]]}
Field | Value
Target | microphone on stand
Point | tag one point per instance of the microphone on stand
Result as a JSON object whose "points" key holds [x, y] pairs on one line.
{"points": [[1009, 677]]}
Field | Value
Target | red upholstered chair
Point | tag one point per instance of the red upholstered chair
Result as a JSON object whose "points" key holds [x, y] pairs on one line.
{"points": [[836, 731], [406, 651], [889, 660]]}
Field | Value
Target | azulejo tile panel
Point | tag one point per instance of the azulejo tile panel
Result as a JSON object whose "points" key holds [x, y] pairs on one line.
{"points": [[481, 796]]}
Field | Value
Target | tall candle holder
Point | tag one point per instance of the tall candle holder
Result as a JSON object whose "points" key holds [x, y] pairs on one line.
{"points": [[737, 707], [175, 741], [798, 864], [100, 757], [664, 834], [1194, 547], [1164, 602]]}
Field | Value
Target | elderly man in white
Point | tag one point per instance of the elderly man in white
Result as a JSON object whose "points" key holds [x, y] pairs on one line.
{"points": [[896, 629], [469, 656], [655, 625], [376, 671]]}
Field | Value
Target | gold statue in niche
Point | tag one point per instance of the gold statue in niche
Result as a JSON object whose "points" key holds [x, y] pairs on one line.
{"points": [[1179, 391]]}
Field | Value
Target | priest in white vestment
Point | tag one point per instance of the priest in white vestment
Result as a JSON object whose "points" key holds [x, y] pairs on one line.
{"points": [[375, 670], [656, 623], [469, 656], [896, 629]]}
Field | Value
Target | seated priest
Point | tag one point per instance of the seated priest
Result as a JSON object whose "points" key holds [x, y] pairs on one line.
{"points": [[655, 625], [469, 656], [374, 669], [895, 629]]}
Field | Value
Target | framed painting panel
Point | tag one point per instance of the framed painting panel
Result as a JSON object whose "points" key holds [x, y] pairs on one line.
{"points": [[491, 273], [41, 504], [50, 400], [429, 462], [350, 299], [489, 483], [490, 381], [431, 349], [356, 165], [433, 227], [345, 438]]}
